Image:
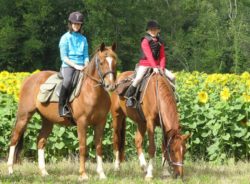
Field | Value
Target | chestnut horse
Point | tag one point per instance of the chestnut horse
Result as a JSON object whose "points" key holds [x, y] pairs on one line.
{"points": [[159, 108], [89, 108]]}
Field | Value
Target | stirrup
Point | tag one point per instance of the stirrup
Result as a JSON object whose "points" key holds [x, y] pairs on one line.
{"points": [[131, 102], [65, 112]]}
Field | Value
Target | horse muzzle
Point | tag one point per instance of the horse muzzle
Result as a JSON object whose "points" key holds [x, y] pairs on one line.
{"points": [[109, 87]]}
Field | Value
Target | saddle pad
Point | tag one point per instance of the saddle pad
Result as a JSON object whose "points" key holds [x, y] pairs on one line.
{"points": [[49, 91]]}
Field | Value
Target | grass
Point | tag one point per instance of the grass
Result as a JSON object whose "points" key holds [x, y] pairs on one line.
{"points": [[67, 172]]}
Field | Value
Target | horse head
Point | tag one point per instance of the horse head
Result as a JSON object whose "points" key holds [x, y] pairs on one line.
{"points": [[103, 66], [174, 150]]}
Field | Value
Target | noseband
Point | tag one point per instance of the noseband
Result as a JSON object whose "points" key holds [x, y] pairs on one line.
{"points": [[100, 82]]}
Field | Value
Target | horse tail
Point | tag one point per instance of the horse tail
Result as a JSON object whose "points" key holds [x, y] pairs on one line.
{"points": [[122, 143], [18, 149]]}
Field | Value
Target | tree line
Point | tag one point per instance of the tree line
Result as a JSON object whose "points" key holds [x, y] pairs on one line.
{"points": [[204, 35]]}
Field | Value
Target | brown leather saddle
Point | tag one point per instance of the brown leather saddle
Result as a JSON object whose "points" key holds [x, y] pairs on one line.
{"points": [[123, 85]]}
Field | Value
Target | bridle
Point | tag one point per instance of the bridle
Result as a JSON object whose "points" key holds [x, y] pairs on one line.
{"points": [[100, 82], [170, 162], [167, 150]]}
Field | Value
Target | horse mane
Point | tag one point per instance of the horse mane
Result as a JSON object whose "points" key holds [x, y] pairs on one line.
{"points": [[168, 106]]}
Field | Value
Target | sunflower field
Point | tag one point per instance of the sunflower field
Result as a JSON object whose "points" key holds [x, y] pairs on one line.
{"points": [[213, 108]]}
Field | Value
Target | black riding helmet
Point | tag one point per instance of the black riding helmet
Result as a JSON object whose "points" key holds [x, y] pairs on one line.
{"points": [[76, 17], [152, 24]]}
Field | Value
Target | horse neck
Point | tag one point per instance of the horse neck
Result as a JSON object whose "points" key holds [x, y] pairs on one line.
{"points": [[166, 104]]}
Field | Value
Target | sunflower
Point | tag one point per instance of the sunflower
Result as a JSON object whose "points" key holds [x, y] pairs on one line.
{"points": [[225, 94], [2, 87], [203, 97], [246, 97]]}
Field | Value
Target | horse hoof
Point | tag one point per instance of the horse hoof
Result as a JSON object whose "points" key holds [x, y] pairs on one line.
{"points": [[144, 168], [45, 173], [148, 178], [166, 174], [10, 171], [103, 176], [117, 168], [83, 178]]}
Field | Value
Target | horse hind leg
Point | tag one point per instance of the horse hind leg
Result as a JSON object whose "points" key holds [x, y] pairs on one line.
{"points": [[16, 143], [119, 127], [151, 149], [138, 143], [41, 142]]}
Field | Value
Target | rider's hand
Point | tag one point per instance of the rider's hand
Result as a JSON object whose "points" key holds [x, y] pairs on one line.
{"points": [[162, 71], [86, 63], [78, 67], [156, 70]]}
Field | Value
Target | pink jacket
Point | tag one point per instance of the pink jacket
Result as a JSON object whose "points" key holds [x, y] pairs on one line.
{"points": [[150, 61]]}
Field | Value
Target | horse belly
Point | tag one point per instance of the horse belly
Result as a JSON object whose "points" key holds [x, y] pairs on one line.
{"points": [[50, 112]]}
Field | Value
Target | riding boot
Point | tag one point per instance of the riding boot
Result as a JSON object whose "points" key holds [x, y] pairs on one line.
{"points": [[129, 95], [63, 106]]}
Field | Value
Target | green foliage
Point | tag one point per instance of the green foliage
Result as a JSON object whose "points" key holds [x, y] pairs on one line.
{"points": [[220, 128], [7, 119], [219, 123]]}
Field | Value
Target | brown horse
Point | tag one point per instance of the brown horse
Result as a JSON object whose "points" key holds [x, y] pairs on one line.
{"points": [[89, 108], [159, 108]]}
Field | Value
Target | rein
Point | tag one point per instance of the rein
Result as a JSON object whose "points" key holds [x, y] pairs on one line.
{"points": [[100, 82], [170, 162]]}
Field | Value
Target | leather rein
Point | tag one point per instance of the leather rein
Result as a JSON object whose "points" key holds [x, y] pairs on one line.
{"points": [[100, 82]]}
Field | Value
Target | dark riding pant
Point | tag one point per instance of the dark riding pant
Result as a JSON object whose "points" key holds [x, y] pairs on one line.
{"points": [[67, 73]]}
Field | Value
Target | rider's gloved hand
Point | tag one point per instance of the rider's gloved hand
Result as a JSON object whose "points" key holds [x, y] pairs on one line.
{"points": [[156, 70], [86, 63], [78, 67]]}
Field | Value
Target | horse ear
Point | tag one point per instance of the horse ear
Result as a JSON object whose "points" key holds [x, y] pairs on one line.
{"points": [[114, 46], [185, 137], [102, 47]]}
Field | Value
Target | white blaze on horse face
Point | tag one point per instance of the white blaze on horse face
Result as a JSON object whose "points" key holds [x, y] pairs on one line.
{"points": [[181, 150], [11, 159], [99, 168], [110, 59]]}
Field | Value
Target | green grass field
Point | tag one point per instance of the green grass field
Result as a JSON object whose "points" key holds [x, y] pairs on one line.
{"points": [[67, 172]]}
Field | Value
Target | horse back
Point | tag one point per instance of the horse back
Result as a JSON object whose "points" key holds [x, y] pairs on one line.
{"points": [[30, 88]]}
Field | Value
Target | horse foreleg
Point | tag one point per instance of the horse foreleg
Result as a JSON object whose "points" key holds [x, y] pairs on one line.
{"points": [[41, 142], [138, 143], [151, 150], [99, 128], [119, 126], [82, 132]]}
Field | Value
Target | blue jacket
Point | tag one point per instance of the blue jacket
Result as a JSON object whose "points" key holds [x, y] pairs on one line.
{"points": [[75, 46]]}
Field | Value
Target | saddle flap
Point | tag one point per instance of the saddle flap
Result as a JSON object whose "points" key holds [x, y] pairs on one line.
{"points": [[123, 86], [46, 91], [47, 87]]}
